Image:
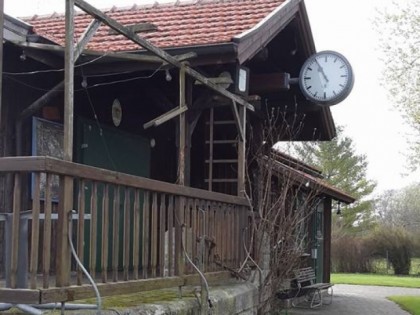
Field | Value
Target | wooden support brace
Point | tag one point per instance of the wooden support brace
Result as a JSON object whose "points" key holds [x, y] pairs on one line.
{"points": [[165, 117], [238, 121], [137, 28], [157, 51]]}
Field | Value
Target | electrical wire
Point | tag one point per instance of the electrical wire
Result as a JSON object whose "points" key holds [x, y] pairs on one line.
{"points": [[73, 251], [56, 70], [88, 87]]}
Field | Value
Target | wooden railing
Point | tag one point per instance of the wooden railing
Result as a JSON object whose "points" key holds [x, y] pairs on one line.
{"points": [[125, 229]]}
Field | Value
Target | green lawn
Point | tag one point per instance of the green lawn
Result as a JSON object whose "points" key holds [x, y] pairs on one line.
{"points": [[409, 303], [374, 279]]}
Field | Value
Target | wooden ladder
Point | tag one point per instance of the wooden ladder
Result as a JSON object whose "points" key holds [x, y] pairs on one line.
{"points": [[221, 164]]}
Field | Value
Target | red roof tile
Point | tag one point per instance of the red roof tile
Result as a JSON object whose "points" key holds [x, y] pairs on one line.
{"points": [[184, 24]]}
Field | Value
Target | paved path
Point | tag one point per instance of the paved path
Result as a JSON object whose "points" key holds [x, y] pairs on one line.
{"points": [[360, 300]]}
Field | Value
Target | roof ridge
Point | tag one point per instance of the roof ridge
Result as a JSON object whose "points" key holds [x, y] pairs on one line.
{"points": [[134, 7]]}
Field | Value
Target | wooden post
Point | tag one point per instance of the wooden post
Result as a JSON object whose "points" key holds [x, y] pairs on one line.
{"points": [[241, 152], [327, 239], [66, 200], [180, 205]]}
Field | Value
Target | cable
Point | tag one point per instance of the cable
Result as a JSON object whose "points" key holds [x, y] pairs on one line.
{"points": [[56, 70], [73, 251], [87, 87], [199, 272]]}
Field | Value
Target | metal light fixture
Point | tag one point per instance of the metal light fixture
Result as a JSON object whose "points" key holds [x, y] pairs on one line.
{"points": [[339, 208]]}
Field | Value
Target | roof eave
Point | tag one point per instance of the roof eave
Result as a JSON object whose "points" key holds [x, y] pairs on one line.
{"points": [[252, 40]]}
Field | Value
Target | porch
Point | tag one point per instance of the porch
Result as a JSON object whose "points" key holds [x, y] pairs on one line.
{"points": [[131, 233]]}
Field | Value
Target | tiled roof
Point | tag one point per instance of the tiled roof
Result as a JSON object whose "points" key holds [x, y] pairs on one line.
{"points": [[182, 24]]}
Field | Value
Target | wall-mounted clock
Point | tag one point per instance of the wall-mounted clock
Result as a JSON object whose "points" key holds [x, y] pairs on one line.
{"points": [[326, 78], [116, 112]]}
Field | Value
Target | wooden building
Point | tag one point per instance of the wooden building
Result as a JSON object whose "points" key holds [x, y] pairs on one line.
{"points": [[144, 136]]}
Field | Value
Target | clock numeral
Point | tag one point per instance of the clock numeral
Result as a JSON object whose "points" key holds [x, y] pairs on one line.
{"points": [[344, 76], [307, 78], [326, 58], [342, 66], [335, 60], [310, 69], [309, 87], [335, 94], [341, 85], [316, 93], [325, 95]]}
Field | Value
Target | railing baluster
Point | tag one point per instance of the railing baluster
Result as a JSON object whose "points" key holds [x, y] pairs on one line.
{"points": [[33, 268], [195, 205], [46, 257], [154, 232], [105, 233], [115, 233], [146, 238], [81, 228], [162, 226], [136, 234], [93, 228], [171, 236], [15, 230], [126, 242], [187, 233]]}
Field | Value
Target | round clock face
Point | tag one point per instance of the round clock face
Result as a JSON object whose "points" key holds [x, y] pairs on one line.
{"points": [[326, 78]]}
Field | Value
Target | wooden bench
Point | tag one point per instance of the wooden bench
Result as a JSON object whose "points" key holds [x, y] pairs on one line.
{"points": [[312, 291]]}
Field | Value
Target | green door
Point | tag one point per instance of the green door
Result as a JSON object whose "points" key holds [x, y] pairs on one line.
{"points": [[112, 149], [319, 242]]}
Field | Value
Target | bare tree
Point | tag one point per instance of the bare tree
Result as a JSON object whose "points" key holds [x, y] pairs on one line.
{"points": [[283, 201]]}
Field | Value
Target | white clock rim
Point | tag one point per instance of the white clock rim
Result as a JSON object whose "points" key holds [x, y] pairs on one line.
{"points": [[341, 96]]}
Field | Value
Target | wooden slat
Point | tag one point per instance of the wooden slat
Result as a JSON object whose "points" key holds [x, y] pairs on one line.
{"points": [[93, 237], [210, 160], [105, 231], [171, 236], [63, 247], [154, 235], [81, 228], [126, 242], [19, 296], [179, 222], [187, 234], [136, 234], [146, 236], [194, 228], [56, 166], [162, 223], [106, 289], [33, 267], [46, 255], [15, 230], [115, 233]]}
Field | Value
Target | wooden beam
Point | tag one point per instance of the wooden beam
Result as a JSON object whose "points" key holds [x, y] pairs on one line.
{"points": [[242, 153], [86, 37], [238, 122], [269, 82], [165, 117], [137, 28], [157, 51], [58, 88], [66, 182], [42, 101], [115, 55]]}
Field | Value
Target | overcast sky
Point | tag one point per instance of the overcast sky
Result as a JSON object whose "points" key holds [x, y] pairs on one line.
{"points": [[370, 119]]}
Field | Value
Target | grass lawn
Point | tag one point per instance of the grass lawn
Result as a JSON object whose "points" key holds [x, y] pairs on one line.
{"points": [[374, 279], [409, 303]]}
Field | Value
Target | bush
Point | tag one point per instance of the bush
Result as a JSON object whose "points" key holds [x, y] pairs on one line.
{"points": [[398, 244], [351, 254]]}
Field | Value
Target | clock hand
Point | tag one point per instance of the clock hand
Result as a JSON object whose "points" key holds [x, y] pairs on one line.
{"points": [[320, 69]]}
